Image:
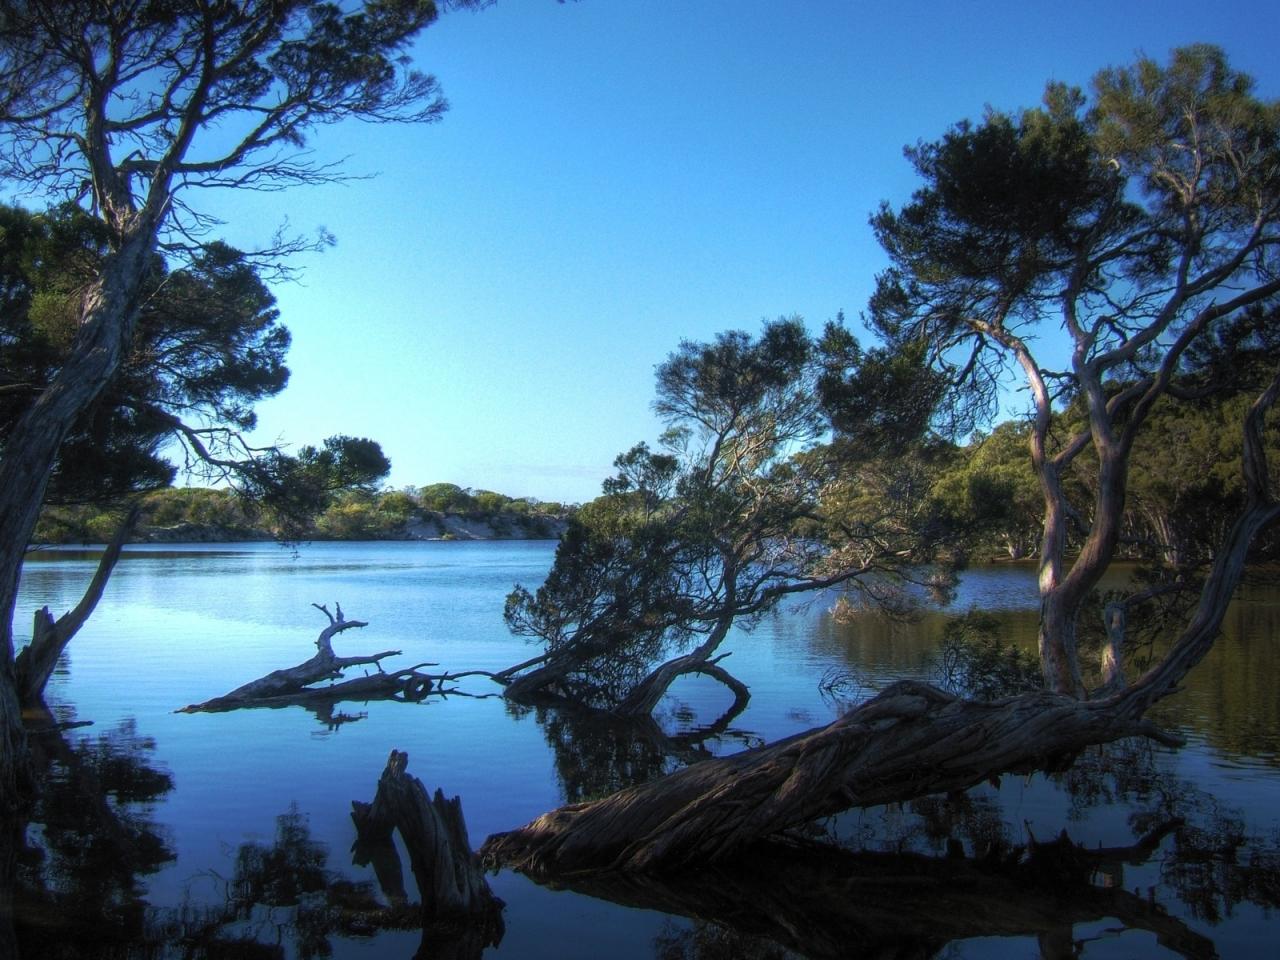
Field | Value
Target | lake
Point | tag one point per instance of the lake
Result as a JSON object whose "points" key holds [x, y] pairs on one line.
{"points": [[208, 799]]}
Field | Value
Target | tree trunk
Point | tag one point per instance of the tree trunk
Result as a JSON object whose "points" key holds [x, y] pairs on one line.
{"points": [[291, 686], [911, 740], [287, 685], [451, 883], [36, 661], [642, 700], [108, 314]]}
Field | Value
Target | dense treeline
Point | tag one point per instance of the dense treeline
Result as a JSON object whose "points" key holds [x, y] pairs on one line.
{"points": [[1184, 486], [441, 510]]}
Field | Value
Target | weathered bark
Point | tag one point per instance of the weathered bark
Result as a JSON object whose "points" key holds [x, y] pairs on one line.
{"points": [[822, 902], [642, 700], [49, 637], [455, 895], [291, 686], [909, 741]]}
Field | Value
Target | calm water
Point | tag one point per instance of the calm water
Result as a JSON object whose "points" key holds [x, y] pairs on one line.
{"points": [[182, 624]]}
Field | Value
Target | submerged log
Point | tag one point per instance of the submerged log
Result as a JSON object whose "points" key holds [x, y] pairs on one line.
{"points": [[455, 894], [292, 685], [911, 740]]}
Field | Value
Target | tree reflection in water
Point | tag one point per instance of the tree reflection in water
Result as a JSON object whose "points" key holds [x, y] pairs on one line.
{"points": [[284, 892], [90, 839], [946, 869], [597, 753]]}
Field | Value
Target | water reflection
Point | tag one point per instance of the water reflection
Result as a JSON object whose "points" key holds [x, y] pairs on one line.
{"points": [[949, 869], [90, 841], [168, 628], [282, 893], [597, 753], [825, 903]]}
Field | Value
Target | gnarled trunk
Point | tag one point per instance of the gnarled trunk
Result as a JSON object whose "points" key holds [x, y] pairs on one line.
{"points": [[456, 898], [911, 740]]}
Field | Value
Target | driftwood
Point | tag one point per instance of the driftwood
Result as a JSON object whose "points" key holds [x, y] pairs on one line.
{"points": [[292, 685], [457, 903], [826, 903], [911, 740]]}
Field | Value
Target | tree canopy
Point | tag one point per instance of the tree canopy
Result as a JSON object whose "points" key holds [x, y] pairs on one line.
{"points": [[743, 507], [127, 111], [208, 346], [1139, 224]]}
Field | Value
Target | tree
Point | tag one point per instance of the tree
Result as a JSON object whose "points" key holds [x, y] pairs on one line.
{"points": [[446, 498], [208, 345], [741, 511], [1142, 227], [994, 489], [1141, 223], [127, 109]]}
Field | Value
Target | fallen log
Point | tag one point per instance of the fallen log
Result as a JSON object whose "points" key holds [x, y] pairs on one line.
{"points": [[292, 685], [456, 900], [911, 740]]}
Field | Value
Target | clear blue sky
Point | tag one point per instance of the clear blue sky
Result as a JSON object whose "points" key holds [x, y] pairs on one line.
{"points": [[616, 175]]}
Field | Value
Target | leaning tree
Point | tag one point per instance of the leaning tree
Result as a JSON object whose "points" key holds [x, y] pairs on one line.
{"points": [[129, 110], [207, 346], [743, 510], [1118, 250]]}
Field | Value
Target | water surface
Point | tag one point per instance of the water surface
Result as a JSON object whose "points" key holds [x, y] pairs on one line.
{"points": [[181, 624]]}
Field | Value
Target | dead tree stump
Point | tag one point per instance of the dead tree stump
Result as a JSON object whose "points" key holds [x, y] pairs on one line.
{"points": [[450, 878]]}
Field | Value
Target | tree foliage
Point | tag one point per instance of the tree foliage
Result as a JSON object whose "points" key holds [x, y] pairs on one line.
{"points": [[127, 110], [1142, 222], [742, 508], [207, 347]]}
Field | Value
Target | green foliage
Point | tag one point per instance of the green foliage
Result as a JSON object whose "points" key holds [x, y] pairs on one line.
{"points": [[488, 502], [293, 490], [1099, 201], [207, 345], [878, 400], [992, 490], [741, 508], [1139, 227], [445, 498]]}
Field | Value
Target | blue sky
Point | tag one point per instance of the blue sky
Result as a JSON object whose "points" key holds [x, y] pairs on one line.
{"points": [[616, 175]]}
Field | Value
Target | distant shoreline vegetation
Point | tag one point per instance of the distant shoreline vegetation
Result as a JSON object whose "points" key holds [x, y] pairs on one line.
{"points": [[441, 511]]}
